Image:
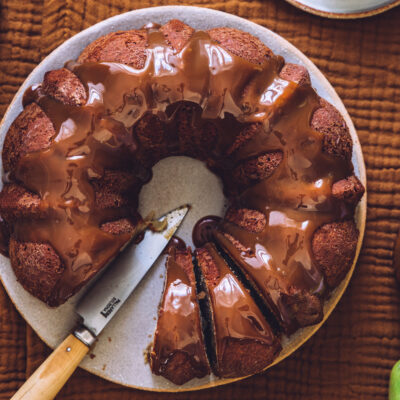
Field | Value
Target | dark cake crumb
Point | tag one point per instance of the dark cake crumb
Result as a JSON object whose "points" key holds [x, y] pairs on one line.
{"points": [[244, 136], [31, 131], [251, 220], [334, 246], [115, 189], [349, 190], [118, 227], [295, 73], [257, 168], [241, 44], [177, 33], [337, 140], [16, 202], [63, 85], [37, 267], [305, 308], [125, 47]]}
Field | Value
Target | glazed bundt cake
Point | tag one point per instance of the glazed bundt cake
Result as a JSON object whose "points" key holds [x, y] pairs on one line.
{"points": [[76, 157]]}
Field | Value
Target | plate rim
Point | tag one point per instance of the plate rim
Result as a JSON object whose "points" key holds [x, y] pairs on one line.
{"points": [[360, 215], [351, 15]]}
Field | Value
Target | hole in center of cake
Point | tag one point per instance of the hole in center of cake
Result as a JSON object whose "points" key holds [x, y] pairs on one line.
{"points": [[183, 180]]}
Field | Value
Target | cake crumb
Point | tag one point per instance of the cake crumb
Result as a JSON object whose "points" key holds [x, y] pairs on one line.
{"points": [[154, 318], [201, 295], [109, 339], [104, 367], [146, 353], [161, 276], [91, 355]]}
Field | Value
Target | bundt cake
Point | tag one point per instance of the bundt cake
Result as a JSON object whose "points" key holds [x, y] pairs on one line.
{"points": [[76, 157]]}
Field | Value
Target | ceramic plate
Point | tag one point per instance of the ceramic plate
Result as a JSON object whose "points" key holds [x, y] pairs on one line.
{"points": [[345, 9], [118, 355]]}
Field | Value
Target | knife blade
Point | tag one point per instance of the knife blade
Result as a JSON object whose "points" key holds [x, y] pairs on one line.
{"points": [[97, 308], [107, 296]]}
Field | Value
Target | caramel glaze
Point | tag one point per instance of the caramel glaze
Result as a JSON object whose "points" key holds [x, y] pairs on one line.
{"points": [[179, 334], [203, 231], [239, 325], [175, 243], [231, 92], [296, 200]]}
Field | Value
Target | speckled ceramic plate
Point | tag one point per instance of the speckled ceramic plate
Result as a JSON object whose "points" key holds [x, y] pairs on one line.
{"points": [[345, 9], [118, 355]]}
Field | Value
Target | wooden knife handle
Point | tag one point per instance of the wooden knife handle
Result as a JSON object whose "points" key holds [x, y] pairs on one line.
{"points": [[51, 376]]}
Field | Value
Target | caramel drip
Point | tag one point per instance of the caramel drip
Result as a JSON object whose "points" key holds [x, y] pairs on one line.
{"points": [[175, 243], [178, 325], [230, 91], [203, 230], [235, 313]]}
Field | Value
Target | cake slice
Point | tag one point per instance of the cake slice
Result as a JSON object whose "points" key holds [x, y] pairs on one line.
{"points": [[178, 351], [276, 264], [242, 341]]}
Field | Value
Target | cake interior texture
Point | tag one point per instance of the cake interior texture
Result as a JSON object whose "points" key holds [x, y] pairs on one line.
{"points": [[76, 157]]}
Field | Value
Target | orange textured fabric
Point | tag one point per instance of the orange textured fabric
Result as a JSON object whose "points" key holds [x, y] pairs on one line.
{"points": [[352, 354]]}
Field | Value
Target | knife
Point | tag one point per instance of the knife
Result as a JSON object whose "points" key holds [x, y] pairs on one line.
{"points": [[97, 308]]}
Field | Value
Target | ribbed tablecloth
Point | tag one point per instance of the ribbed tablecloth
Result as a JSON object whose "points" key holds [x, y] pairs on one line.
{"points": [[352, 354]]}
